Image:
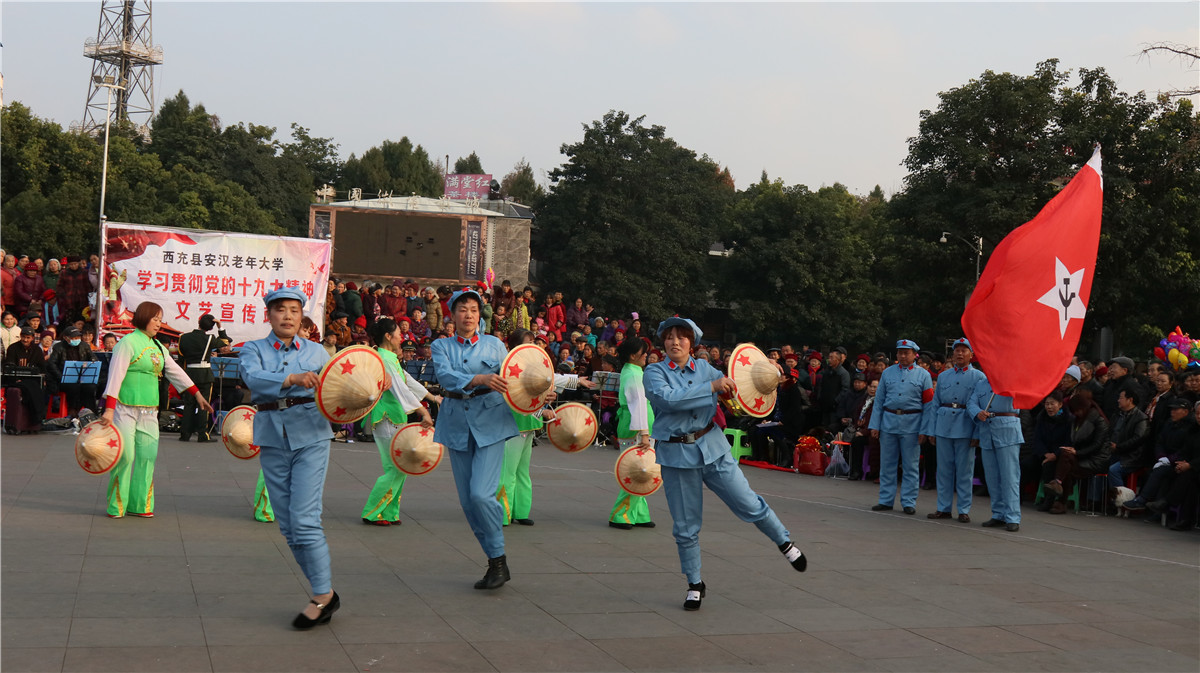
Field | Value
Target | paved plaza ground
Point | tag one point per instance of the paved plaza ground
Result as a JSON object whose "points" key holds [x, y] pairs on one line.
{"points": [[203, 587]]}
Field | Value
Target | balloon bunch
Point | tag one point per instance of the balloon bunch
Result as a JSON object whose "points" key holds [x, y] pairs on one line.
{"points": [[1179, 350]]}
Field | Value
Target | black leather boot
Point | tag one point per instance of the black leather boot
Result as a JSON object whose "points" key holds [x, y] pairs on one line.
{"points": [[496, 575]]}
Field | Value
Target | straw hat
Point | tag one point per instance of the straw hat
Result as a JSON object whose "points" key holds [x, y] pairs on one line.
{"points": [[414, 451], [637, 472], [237, 432], [98, 447], [757, 380], [574, 429], [351, 384], [529, 374]]}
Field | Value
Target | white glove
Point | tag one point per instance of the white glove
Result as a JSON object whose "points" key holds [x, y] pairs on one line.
{"points": [[1162, 461]]}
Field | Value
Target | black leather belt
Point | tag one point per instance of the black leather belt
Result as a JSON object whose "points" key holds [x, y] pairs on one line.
{"points": [[284, 403], [691, 437], [903, 412], [476, 393], [1005, 413], [954, 405]]}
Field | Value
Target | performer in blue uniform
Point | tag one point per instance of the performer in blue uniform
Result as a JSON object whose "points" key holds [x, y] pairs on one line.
{"points": [[683, 392], [952, 429], [1000, 448], [474, 423], [905, 391], [281, 372]]}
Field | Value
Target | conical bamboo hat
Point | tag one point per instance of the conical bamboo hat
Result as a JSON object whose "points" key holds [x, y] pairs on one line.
{"points": [[237, 432], [351, 383], [529, 374], [574, 429], [757, 380], [98, 447], [413, 450], [637, 472]]}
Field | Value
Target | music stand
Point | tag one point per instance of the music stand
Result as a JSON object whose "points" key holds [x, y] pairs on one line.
{"points": [[79, 371], [223, 369]]}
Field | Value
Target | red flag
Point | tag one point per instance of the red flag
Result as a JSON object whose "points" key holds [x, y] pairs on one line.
{"points": [[1026, 314]]}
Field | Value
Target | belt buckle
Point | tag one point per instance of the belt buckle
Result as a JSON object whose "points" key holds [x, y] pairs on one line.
{"points": [[689, 438]]}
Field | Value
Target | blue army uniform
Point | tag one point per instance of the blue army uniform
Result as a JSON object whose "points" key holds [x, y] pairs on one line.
{"points": [[946, 418], [683, 403], [474, 429], [903, 395], [1000, 448], [294, 441]]}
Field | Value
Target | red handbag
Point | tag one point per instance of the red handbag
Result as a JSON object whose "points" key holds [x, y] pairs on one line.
{"points": [[809, 458]]}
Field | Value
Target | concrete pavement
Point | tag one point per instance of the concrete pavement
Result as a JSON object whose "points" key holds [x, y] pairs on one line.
{"points": [[203, 587]]}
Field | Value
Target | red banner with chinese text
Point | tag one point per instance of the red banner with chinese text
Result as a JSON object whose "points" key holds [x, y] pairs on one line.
{"points": [[190, 272]]}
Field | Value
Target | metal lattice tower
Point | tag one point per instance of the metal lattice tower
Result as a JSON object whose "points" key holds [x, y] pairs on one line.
{"points": [[123, 52]]}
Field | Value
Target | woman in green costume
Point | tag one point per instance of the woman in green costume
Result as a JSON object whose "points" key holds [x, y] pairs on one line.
{"points": [[138, 362], [635, 419], [388, 416], [516, 488]]}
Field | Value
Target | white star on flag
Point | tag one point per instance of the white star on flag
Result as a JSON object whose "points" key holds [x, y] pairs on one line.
{"points": [[1064, 296]]}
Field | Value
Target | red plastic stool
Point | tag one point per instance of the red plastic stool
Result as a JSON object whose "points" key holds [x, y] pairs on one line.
{"points": [[59, 401]]}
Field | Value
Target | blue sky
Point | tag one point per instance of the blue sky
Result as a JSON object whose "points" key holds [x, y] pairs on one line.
{"points": [[813, 93]]}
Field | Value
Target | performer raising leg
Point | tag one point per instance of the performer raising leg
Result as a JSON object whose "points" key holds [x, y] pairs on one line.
{"points": [[683, 392]]}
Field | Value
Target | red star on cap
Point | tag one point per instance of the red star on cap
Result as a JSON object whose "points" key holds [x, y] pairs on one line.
{"points": [[87, 430], [758, 402], [248, 416], [339, 412], [397, 452], [424, 432], [253, 447], [87, 464], [347, 367], [743, 359], [587, 421], [573, 447], [557, 421], [112, 443], [533, 401], [514, 370], [656, 480], [641, 452], [545, 362], [425, 464], [628, 480]]}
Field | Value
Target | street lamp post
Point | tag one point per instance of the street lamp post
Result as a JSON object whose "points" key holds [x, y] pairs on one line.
{"points": [[108, 82], [977, 243]]}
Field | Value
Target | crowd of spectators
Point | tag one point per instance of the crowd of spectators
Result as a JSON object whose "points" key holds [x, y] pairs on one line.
{"points": [[1107, 426]]}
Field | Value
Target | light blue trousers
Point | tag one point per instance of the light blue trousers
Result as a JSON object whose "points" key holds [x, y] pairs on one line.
{"points": [[477, 476], [685, 499], [1002, 473], [296, 482], [955, 473], [904, 450]]}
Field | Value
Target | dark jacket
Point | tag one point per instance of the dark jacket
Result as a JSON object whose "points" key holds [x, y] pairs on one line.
{"points": [[848, 401], [64, 352], [1173, 441], [33, 355], [1050, 432], [1129, 432], [1108, 400], [1089, 438]]}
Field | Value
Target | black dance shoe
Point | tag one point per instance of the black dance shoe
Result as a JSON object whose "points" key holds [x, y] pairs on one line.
{"points": [[303, 623], [620, 524], [794, 556], [694, 594], [496, 575]]}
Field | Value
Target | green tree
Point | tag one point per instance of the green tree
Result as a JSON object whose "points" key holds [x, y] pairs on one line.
{"points": [[630, 218], [319, 156], [522, 186], [396, 167], [997, 149], [469, 165], [796, 265]]}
